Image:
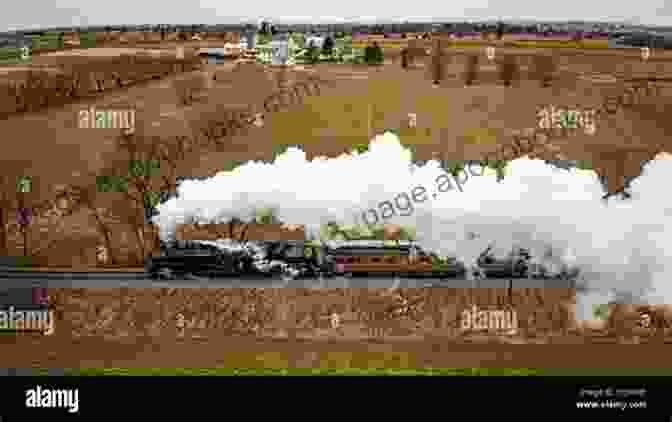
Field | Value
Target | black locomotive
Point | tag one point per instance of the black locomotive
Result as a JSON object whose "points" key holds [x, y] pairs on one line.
{"points": [[306, 259], [289, 259]]}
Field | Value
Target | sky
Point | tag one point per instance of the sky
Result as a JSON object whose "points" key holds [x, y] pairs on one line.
{"points": [[42, 13]]}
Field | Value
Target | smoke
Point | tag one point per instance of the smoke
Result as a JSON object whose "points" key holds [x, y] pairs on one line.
{"points": [[621, 248]]}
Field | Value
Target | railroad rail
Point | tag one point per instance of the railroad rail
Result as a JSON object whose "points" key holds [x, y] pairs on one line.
{"points": [[137, 277]]}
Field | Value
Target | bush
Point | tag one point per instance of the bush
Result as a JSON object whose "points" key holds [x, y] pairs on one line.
{"points": [[360, 148], [373, 54]]}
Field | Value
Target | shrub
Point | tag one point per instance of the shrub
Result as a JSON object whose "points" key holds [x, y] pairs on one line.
{"points": [[373, 54], [601, 311], [360, 148]]}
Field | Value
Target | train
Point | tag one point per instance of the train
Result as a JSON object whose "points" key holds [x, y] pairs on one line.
{"points": [[641, 39], [309, 259]]}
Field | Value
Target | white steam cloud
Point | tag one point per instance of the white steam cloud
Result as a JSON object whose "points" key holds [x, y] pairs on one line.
{"points": [[623, 248]]}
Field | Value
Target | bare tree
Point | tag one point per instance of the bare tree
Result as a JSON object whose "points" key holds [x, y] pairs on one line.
{"points": [[437, 65], [404, 58], [94, 200], [7, 203], [13, 201], [471, 69], [508, 69], [141, 168]]}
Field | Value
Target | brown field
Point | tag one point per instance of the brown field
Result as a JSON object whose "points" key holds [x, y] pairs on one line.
{"points": [[279, 328], [351, 105]]}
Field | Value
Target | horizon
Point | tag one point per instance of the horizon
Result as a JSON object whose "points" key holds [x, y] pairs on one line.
{"points": [[77, 13], [626, 26]]}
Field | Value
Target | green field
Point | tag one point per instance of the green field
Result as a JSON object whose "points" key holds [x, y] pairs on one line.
{"points": [[350, 363]]}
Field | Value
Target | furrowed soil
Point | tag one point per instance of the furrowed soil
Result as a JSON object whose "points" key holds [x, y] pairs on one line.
{"points": [[276, 328]]}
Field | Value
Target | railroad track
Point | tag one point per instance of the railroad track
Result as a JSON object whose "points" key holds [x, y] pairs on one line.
{"points": [[137, 277]]}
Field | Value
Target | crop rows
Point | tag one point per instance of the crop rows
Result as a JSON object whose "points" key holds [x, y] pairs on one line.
{"points": [[37, 89]]}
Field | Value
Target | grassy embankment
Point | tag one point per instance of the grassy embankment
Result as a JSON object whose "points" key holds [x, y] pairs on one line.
{"points": [[353, 363]]}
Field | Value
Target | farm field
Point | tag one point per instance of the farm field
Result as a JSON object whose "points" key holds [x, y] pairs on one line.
{"points": [[387, 43], [127, 328], [353, 103], [291, 328]]}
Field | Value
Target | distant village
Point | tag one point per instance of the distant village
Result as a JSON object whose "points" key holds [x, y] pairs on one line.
{"points": [[282, 44], [11, 39]]}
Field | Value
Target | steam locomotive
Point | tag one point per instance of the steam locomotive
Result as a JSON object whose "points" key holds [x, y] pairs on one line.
{"points": [[307, 259], [291, 259]]}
